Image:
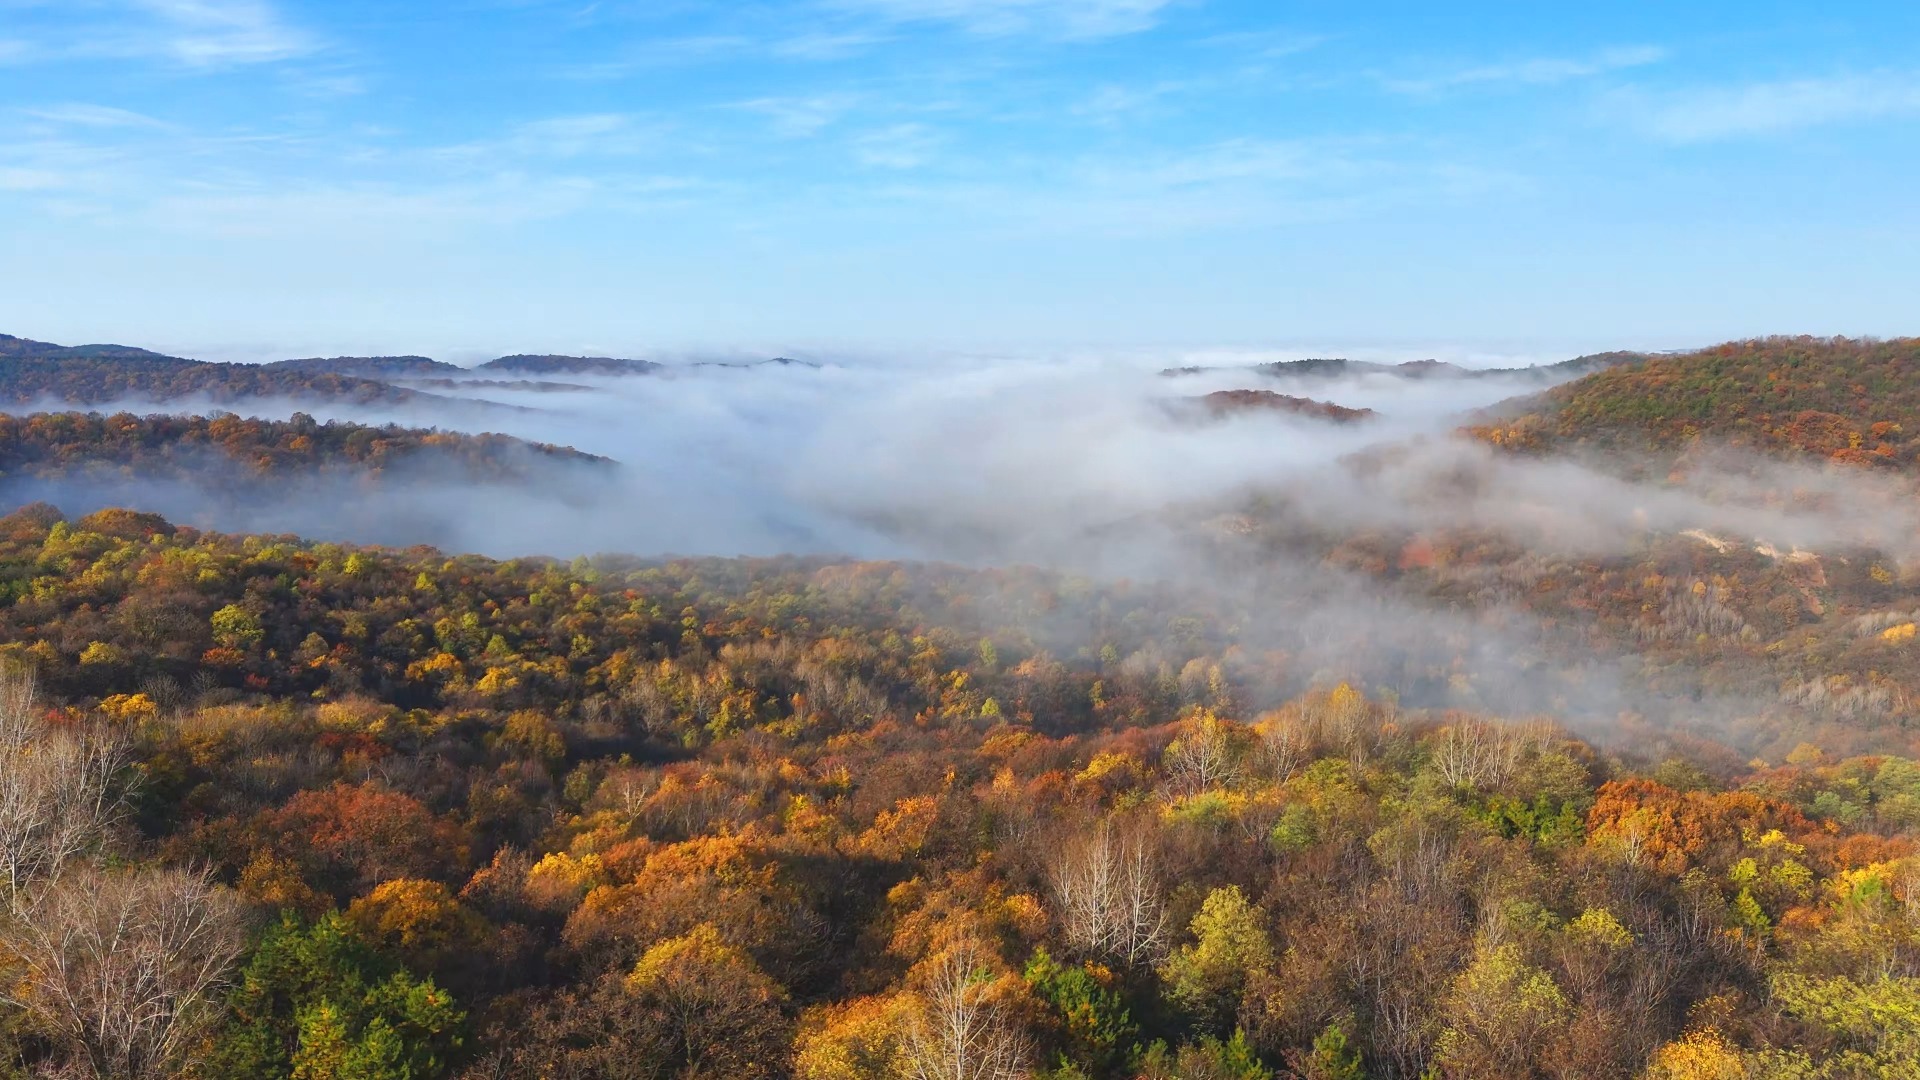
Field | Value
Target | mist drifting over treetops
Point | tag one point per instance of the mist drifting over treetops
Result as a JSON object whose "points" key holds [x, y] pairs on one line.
{"points": [[1061, 461], [958, 540], [1306, 495], [1063, 632]]}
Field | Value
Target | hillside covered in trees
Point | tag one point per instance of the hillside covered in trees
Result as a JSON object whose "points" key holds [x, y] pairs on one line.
{"points": [[1222, 403], [33, 372], [370, 367], [227, 466], [1855, 402], [521, 364], [38, 373], [803, 818], [50, 445], [1427, 760], [1328, 368]]}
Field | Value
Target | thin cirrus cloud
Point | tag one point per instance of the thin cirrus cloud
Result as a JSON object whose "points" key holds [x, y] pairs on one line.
{"points": [[358, 214], [800, 117], [1110, 103], [1767, 108], [196, 34], [1053, 18], [1536, 71], [562, 137], [219, 33], [841, 30], [900, 146], [1230, 185], [85, 115], [825, 46], [18, 179]]}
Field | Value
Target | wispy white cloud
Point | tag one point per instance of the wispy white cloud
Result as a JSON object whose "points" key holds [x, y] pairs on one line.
{"points": [[1267, 44], [900, 146], [215, 33], [105, 167], [362, 210], [825, 31], [82, 114], [1053, 18], [1233, 184], [18, 179], [1232, 160], [570, 136], [664, 52], [196, 34], [324, 86], [1110, 103], [801, 117], [782, 44], [1535, 71], [1729, 112], [563, 137], [48, 160], [825, 46]]}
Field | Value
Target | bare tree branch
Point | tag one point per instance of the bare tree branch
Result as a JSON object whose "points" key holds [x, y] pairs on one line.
{"points": [[124, 967]]}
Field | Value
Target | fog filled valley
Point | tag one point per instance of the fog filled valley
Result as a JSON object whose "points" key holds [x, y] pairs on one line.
{"points": [[1186, 716]]}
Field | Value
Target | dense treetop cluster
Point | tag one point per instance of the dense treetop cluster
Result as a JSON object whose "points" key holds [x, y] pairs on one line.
{"points": [[1230, 402], [33, 372], [804, 818], [272, 808], [1856, 402], [234, 449]]}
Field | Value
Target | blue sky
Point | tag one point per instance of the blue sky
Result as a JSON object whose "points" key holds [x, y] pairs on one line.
{"points": [[256, 177]]}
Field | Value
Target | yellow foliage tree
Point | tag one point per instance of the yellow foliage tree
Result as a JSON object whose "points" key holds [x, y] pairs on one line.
{"points": [[863, 1039], [419, 918], [720, 1014], [1702, 1054]]}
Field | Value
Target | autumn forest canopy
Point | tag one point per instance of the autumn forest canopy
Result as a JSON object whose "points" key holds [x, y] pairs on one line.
{"points": [[369, 718]]}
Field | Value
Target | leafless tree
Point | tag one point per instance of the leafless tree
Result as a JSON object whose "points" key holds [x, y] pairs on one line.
{"points": [[1204, 756], [123, 967], [1108, 889], [1481, 755], [1348, 721], [1290, 743], [1473, 754], [964, 1030], [57, 790]]}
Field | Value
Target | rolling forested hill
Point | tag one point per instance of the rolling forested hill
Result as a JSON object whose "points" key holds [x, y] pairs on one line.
{"points": [[335, 479], [1441, 369], [1853, 401], [792, 818], [371, 367], [1240, 402], [569, 365], [412, 814], [50, 445], [33, 372], [1338, 368], [18, 348]]}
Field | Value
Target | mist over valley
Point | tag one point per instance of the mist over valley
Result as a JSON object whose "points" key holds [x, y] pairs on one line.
{"points": [[958, 540]]}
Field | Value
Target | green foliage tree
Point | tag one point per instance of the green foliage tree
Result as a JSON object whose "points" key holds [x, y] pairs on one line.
{"points": [[1093, 1017], [1211, 1058], [1333, 1057], [1206, 977], [1503, 1013], [315, 1003], [236, 628], [1866, 1029]]}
